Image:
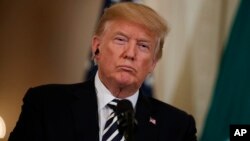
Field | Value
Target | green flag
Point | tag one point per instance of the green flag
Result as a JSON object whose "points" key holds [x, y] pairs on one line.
{"points": [[231, 99]]}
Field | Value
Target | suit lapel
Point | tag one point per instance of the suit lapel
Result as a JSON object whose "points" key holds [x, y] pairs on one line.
{"points": [[146, 130], [84, 108], [85, 113]]}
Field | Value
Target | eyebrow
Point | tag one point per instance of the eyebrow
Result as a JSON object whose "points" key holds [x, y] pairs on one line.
{"points": [[138, 40], [121, 33]]}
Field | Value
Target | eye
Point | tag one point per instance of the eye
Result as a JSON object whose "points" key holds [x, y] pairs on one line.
{"points": [[120, 40], [144, 46]]}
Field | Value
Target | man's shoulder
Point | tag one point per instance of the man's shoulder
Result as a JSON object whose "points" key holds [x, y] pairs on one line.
{"points": [[165, 110], [58, 86], [59, 91], [173, 122], [54, 88]]}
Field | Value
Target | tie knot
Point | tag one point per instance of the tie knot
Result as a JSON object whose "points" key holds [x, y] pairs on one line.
{"points": [[113, 104], [120, 106]]}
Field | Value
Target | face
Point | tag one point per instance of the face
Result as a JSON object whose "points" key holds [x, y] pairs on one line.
{"points": [[126, 53]]}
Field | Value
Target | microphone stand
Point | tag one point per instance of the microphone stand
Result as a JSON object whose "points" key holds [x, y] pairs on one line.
{"points": [[130, 129], [127, 118]]}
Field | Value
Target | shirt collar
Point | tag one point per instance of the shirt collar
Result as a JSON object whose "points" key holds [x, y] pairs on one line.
{"points": [[104, 96]]}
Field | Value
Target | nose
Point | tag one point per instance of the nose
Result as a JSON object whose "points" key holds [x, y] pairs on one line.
{"points": [[130, 52]]}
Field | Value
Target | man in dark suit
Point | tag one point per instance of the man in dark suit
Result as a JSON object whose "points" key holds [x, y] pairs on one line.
{"points": [[126, 46]]}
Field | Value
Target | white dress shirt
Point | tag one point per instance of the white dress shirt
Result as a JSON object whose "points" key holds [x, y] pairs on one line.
{"points": [[104, 96]]}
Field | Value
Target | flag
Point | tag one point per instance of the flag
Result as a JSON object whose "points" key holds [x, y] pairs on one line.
{"points": [[231, 100]]}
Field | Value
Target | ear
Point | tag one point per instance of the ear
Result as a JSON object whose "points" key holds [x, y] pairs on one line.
{"points": [[95, 46], [154, 62]]}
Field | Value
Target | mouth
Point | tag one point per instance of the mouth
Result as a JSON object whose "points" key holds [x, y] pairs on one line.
{"points": [[127, 68]]}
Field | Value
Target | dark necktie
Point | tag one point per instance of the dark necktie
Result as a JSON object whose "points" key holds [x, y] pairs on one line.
{"points": [[111, 131]]}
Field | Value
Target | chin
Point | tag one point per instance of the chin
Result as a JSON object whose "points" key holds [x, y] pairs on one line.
{"points": [[126, 84], [125, 80]]}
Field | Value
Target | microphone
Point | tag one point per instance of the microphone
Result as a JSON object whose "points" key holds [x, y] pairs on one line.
{"points": [[127, 121]]}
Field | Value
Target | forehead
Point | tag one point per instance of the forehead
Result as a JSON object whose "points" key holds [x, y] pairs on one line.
{"points": [[129, 28]]}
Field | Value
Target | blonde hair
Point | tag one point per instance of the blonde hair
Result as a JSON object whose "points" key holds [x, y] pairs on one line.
{"points": [[137, 13]]}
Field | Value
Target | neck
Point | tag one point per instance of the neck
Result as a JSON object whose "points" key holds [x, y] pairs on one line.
{"points": [[121, 92], [118, 90]]}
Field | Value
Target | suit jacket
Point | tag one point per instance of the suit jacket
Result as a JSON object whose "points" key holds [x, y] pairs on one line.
{"points": [[69, 113]]}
